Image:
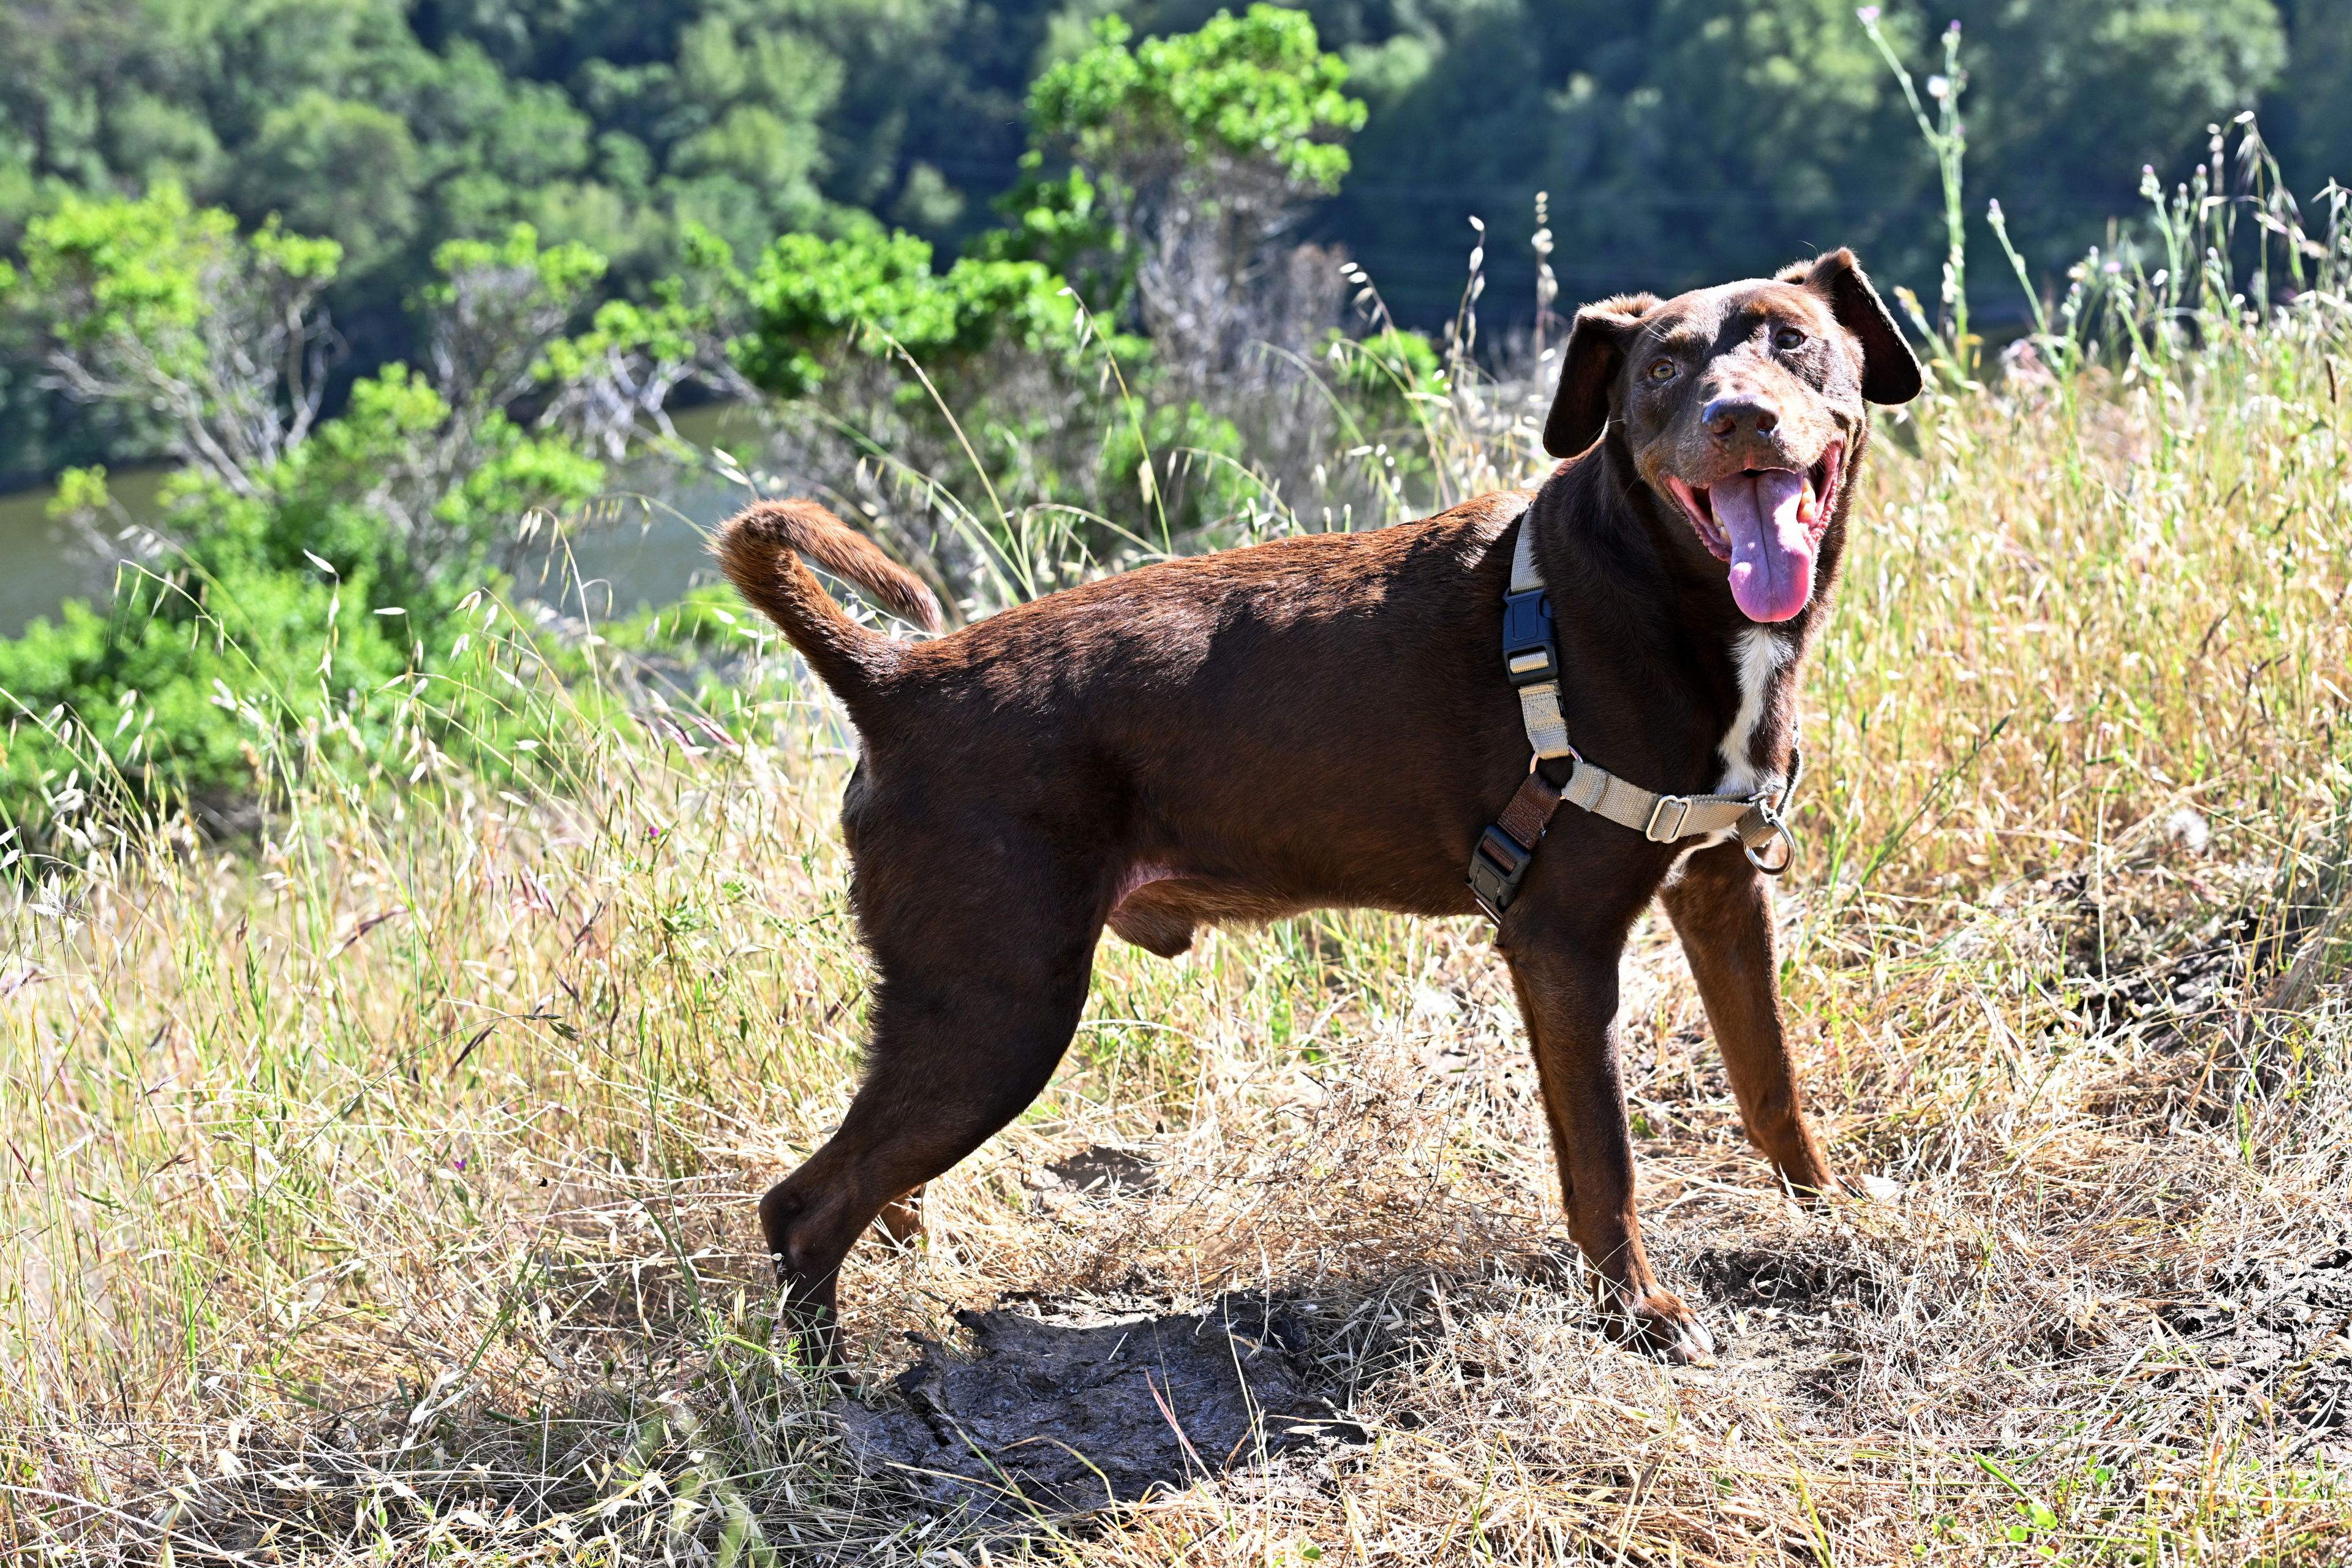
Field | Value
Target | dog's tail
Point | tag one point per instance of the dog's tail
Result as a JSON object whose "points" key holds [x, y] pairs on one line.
{"points": [[759, 549]]}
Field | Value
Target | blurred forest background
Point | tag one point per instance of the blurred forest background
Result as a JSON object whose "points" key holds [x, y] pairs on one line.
{"points": [[1679, 140], [371, 306]]}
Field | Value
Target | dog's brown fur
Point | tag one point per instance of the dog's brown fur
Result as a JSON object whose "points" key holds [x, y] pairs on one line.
{"points": [[1323, 721]]}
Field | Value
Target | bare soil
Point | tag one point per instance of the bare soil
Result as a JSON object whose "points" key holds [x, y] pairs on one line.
{"points": [[1042, 1420]]}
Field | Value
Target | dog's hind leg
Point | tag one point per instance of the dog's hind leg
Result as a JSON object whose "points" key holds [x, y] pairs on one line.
{"points": [[1723, 913], [980, 991]]}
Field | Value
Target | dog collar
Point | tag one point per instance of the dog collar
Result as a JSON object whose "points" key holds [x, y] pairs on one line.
{"points": [[1531, 661]]}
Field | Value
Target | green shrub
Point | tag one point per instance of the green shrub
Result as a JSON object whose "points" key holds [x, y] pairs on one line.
{"points": [[186, 683], [1385, 373], [1255, 87], [282, 612], [301, 567], [1062, 223], [1196, 476], [816, 300]]}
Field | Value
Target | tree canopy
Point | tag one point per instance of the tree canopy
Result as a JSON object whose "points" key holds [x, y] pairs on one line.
{"points": [[1676, 139]]}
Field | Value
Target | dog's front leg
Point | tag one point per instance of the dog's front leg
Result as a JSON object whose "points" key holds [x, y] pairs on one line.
{"points": [[1723, 912], [1566, 981]]}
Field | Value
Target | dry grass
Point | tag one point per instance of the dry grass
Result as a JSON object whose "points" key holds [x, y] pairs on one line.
{"points": [[380, 1190]]}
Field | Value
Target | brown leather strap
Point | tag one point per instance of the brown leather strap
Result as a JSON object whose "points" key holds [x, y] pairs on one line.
{"points": [[1530, 810]]}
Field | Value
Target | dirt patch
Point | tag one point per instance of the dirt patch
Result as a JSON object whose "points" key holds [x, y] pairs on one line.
{"points": [[2284, 1332], [1784, 1324], [1044, 1419], [1103, 1168], [2153, 954], [1754, 1278]]}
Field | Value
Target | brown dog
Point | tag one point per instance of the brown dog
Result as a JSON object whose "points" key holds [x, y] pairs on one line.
{"points": [[1324, 720]]}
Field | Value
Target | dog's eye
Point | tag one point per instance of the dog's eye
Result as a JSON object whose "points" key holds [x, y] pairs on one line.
{"points": [[1662, 370], [1788, 338]]}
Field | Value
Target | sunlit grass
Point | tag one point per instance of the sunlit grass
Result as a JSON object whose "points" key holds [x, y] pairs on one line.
{"points": [[379, 1185]]}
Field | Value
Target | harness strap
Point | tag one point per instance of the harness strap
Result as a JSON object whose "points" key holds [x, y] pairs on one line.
{"points": [[1504, 850], [1664, 819], [1539, 703]]}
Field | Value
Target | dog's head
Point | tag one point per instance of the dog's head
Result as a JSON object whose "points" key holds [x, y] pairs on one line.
{"points": [[1740, 406]]}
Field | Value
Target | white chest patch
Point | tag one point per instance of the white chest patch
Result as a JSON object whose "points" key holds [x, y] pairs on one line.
{"points": [[1758, 657]]}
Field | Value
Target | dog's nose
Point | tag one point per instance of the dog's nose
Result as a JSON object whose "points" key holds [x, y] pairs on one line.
{"points": [[1726, 418]]}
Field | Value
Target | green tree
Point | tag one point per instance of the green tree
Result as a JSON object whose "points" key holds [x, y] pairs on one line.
{"points": [[2309, 115], [1679, 139], [304, 561], [813, 301], [907, 86], [2069, 103], [1061, 221], [1685, 140], [392, 129], [330, 167], [159, 303], [1206, 148]]}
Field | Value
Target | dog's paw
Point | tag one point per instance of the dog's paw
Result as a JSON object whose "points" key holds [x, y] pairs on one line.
{"points": [[1660, 1324]]}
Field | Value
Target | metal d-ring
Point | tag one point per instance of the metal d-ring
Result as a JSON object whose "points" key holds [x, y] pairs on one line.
{"points": [[1781, 829]]}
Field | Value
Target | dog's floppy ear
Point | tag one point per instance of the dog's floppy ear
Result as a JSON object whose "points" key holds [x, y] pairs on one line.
{"points": [[1596, 351], [1890, 373]]}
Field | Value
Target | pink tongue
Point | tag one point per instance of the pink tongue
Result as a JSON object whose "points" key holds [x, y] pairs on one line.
{"points": [[1771, 558]]}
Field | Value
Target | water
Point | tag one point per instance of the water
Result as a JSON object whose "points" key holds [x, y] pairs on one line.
{"points": [[48, 561], [640, 545]]}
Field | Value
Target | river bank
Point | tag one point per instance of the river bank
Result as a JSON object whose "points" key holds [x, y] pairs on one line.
{"points": [[640, 543]]}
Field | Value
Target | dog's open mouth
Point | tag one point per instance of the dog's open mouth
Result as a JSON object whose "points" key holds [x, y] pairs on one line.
{"points": [[1766, 524]]}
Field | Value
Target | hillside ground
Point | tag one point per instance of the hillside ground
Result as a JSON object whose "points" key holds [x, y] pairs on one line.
{"points": [[380, 1185]]}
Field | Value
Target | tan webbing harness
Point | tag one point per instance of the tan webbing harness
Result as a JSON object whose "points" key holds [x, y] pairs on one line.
{"points": [[1531, 658]]}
